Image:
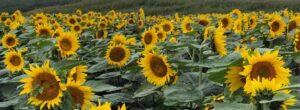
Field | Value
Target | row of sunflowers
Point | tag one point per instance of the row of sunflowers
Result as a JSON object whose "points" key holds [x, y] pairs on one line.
{"points": [[127, 60]]}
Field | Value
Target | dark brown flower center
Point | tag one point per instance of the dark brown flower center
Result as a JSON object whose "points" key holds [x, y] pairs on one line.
{"points": [[15, 60], [203, 22], [275, 26], [188, 26], [100, 34], [44, 31], [117, 54], [77, 95], [66, 44], [158, 66], [292, 25], [263, 70], [49, 84], [166, 27], [225, 22], [148, 38], [10, 41]]}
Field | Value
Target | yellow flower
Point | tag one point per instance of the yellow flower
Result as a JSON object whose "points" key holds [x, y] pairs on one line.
{"points": [[186, 25], [14, 61], [149, 38], [234, 79], [131, 41], [118, 39], [293, 23], [81, 95], [253, 21], [277, 26], [207, 32], [173, 40], [167, 26], [268, 66], [78, 74], [9, 41], [156, 69], [76, 28], [117, 54], [204, 20], [226, 22], [161, 35], [44, 30], [105, 106], [237, 27], [67, 44], [102, 33], [43, 78], [220, 41]]}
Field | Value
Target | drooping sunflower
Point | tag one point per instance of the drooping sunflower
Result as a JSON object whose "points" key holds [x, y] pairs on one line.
{"points": [[14, 61], [220, 41], [43, 78], [67, 44], [162, 35], [269, 66], [44, 30], [167, 26], [81, 95], [186, 25], [277, 26], [297, 41], [117, 54], [234, 79], [293, 23], [207, 32], [9, 41], [226, 22], [236, 13], [118, 39], [78, 74], [102, 33], [204, 20], [156, 68], [149, 38]]}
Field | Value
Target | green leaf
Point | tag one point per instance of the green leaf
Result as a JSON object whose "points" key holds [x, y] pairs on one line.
{"points": [[278, 97], [295, 86], [217, 75], [108, 75], [67, 64], [120, 97], [9, 103], [100, 86], [232, 106], [144, 90]]}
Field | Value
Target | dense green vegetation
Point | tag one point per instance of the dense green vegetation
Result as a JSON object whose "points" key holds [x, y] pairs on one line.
{"points": [[152, 7]]}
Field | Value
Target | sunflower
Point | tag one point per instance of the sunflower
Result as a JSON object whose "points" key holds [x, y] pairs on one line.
{"points": [[243, 50], [67, 44], [9, 41], [118, 39], [117, 54], [81, 95], [14, 61], [105, 106], [43, 78], [77, 74], [220, 41], [277, 26], [58, 32], [236, 13], [71, 20], [76, 28], [253, 21], [173, 40], [288, 102], [293, 23], [207, 32], [131, 41], [162, 35], [157, 28], [123, 107], [204, 20], [186, 25], [102, 33], [234, 79], [259, 85], [140, 23], [149, 38], [44, 30], [269, 66], [226, 22], [167, 26], [156, 68], [296, 41], [237, 26]]}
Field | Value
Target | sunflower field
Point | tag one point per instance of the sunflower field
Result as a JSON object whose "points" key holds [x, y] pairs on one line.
{"points": [[131, 61]]}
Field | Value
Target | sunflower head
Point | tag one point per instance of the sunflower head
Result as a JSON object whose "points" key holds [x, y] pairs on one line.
{"points": [[102, 33], [173, 40], [44, 30], [204, 20], [140, 23], [186, 25], [78, 74], [45, 80], [67, 44], [167, 26], [156, 69], [220, 41], [226, 22], [9, 41], [161, 35], [277, 26], [237, 26], [77, 28], [14, 61], [71, 20], [149, 38], [117, 54], [293, 23], [118, 39], [81, 95], [207, 32], [234, 79], [253, 21]]}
